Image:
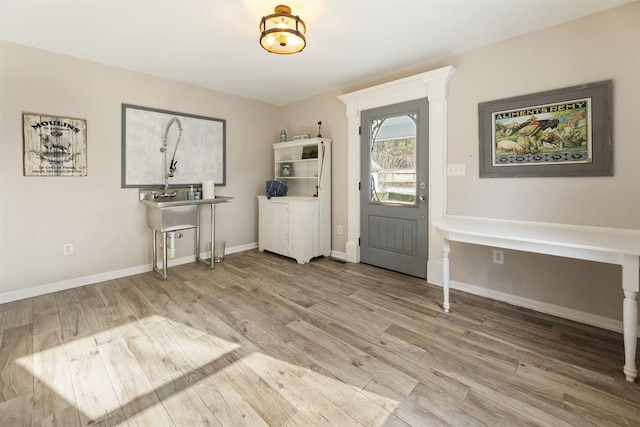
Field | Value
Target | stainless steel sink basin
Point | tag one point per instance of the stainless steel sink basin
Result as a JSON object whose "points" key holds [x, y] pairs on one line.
{"points": [[172, 218]]}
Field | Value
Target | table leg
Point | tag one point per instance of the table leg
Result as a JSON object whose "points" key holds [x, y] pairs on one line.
{"points": [[445, 274], [630, 284]]}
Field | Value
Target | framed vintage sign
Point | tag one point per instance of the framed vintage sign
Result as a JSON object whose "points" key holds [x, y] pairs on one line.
{"points": [[54, 145], [563, 132], [162, 147]]}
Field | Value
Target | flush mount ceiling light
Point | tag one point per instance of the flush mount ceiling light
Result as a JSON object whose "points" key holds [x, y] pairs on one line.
{"points": [[282, 32]]}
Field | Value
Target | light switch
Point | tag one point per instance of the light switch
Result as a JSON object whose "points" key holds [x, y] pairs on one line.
{"points": [[455, 169]]}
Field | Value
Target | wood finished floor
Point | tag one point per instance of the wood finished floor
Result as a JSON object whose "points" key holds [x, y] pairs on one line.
{"points": [[262, 340]]}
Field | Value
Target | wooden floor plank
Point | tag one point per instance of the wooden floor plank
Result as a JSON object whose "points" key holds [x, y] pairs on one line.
{"points": [[73, 321], [67, 417], [113, 300], [226, 404], [16, 362], [53, 388], [271, 406], [18, 313], [495, 413], [282, 377], [17, 412], [139, 402], [98, 315], [45, 314], [261, 340], [95, 397], [153, 359]]}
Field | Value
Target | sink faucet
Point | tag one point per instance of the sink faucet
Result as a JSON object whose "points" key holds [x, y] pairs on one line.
{"points": [[164, 194], [171, 170]]}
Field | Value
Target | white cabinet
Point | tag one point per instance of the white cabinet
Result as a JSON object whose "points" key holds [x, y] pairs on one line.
{"points": [[299, 224]]}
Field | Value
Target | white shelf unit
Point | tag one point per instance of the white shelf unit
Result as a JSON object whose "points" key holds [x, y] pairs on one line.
{"points": [[299, 224]]}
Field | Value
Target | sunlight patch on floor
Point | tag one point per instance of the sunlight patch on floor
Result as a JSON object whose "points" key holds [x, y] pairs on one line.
{"points": [[122, 373]]}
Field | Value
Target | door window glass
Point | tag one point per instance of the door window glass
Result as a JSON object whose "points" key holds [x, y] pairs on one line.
{"points": [[393, 159]]}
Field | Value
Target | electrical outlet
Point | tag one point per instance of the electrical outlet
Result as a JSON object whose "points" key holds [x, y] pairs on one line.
{"points": [[340, 230], [67, 249], [455, 169], [498, 256]]}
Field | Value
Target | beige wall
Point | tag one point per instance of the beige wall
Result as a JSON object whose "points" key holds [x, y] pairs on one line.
{"points": [[105, 222], [107, 225]]}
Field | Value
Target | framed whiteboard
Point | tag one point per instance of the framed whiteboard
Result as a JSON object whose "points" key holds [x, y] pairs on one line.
{"points": [[155, 140]]}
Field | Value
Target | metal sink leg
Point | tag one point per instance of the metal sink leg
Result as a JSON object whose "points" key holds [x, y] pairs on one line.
{"points": [[211, 261], [164, 254]]}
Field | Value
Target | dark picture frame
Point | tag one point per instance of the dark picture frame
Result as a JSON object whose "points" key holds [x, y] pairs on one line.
{"points": [[558, 133], [196, 143]]}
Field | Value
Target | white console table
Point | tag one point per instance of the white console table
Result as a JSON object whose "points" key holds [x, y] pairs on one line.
{"points": [[608, 245]]}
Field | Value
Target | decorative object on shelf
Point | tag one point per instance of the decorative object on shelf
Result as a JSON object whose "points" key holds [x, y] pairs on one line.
{"points": [[310, 152], [286, 169], [299, 137], [281, 32], [319, 126], [54, 146], [148, 135], [283, 136], [562, 132], [276, 188]]}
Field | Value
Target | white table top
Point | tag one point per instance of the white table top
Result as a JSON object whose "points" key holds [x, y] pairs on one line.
{"points": [[601, 239]]}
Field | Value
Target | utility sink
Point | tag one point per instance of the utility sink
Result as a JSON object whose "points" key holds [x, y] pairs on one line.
{"points": [[169, 210], [174, 212]]}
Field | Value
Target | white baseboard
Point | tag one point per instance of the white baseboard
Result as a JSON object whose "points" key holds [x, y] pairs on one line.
{"points": [[227, 251], [342, 256], [435, 276], [103, 277], [542, 307], [71, 283]]}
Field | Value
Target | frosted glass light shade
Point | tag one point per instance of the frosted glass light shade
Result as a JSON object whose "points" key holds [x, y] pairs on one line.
{"points": [[282, 32]]}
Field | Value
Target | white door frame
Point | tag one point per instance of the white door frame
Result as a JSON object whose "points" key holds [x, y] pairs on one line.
{"points": [[433, 86]]}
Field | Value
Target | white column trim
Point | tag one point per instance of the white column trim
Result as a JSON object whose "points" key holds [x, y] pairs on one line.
{"points": [[431, 85]]}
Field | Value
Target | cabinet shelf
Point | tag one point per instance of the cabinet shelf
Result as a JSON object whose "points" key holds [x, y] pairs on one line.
{"points": [[297, 161], [286, 178]]}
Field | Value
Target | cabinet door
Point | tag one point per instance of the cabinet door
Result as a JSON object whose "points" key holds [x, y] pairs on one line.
{"points": [[303, 230], [274, 227]]}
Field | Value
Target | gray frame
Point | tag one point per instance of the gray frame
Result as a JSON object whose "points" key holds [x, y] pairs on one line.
{"points": [[200, 155], [599, 143]]}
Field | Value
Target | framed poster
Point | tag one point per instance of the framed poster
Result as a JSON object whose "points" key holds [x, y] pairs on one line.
{"points": [[563, 132], [167, 148], [54, 145]]}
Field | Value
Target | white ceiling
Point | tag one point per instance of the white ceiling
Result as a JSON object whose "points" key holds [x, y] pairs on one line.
{"points": [[214, 43]]}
